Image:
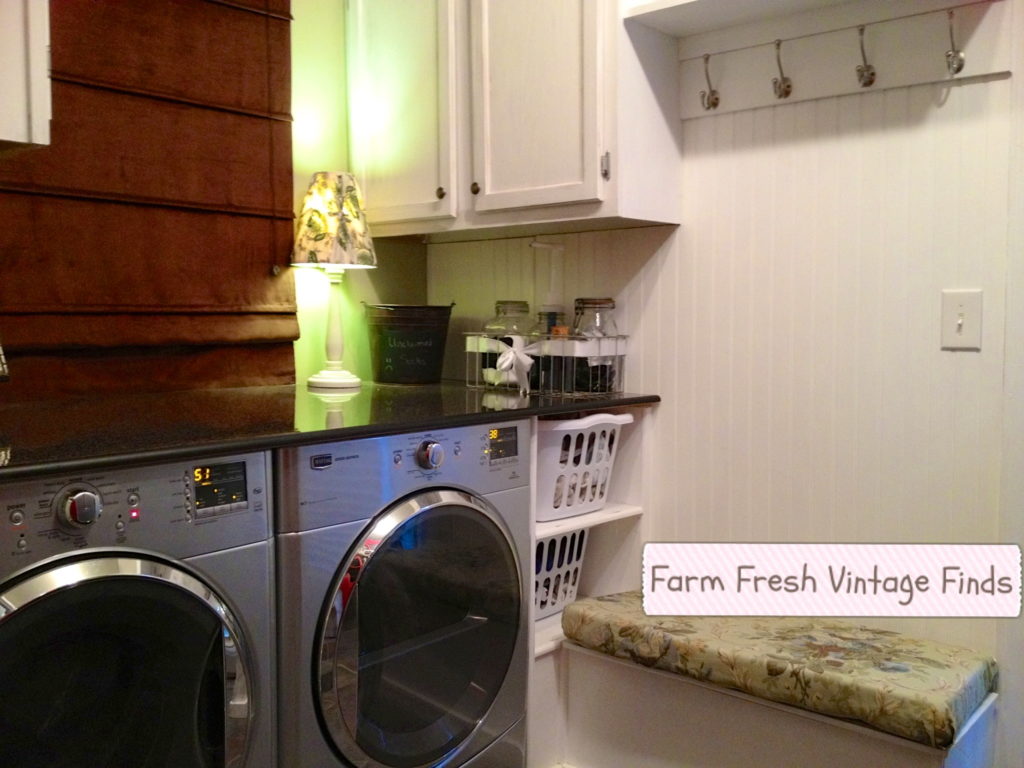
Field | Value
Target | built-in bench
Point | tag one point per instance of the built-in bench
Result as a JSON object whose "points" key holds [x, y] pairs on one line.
{"points": [[874, 681]]}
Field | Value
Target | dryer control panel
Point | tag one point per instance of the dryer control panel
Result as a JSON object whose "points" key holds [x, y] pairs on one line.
{"points": [[352, 480], [179, 509]]}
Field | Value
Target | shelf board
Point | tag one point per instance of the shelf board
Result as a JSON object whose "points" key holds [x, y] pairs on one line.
{"points": [[547, 635], [681, 18], [609, 513]]}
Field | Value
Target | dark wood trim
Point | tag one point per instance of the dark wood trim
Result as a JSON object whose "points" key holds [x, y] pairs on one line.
{"points": [[117, 328], [43, 310], [63, 77], [76, 373], [251, 9], [75, 194]]}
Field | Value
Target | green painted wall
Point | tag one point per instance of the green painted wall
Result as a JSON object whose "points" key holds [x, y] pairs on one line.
{"points": [[320, 143]]}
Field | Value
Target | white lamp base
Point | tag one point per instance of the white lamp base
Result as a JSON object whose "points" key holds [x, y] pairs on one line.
{"points": [[334, 376], [329, 379]]}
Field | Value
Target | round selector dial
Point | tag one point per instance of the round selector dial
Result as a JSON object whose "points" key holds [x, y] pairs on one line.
{"points": [[430, 454], [79, 506]]}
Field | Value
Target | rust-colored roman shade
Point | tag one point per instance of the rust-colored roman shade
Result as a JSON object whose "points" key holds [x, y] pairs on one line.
{"points": [[146, 247]]}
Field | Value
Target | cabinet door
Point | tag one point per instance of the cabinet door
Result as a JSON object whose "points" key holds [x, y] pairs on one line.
{"points": [[535, 73], [401, 96], [24, 62]]}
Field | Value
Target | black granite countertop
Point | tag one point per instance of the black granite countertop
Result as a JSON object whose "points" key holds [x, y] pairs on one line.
{"points": [[48, 437]]}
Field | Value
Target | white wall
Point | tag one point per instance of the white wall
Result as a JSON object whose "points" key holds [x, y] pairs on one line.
{"points": [[1011, 632], [812, 399], [791, 326]]}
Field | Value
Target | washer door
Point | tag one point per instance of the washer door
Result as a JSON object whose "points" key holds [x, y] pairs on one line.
{"points": [[110, 660], [418, 631]]}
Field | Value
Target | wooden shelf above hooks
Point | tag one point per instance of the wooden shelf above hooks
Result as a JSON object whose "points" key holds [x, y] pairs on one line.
{"points": [[830, 49], [680, 18]]}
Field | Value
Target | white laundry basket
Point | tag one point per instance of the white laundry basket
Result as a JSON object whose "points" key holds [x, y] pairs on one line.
{"points": [[574, 464], [556, 573]]}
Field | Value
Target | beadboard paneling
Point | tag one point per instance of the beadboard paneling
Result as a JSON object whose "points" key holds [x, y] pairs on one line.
{"points": [[791, 324]]}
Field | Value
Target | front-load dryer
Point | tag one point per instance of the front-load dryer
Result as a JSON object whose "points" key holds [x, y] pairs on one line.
{"points": [[136, 617], [403, 600]]}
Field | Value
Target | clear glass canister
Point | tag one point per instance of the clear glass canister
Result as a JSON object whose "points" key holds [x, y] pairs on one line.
{"points": [[550, 315], [511, 318], [543, 374], [594, 317]]}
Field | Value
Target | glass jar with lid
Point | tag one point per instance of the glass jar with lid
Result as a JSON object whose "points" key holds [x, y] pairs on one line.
{"points": [[594, 317], [549, 316], [550, 320], [599, 370], [511, 319]]}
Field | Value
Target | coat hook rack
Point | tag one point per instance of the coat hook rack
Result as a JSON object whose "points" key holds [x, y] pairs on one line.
{"points": [[865, 72], [709, 98], [955, 58], [782, 85]]}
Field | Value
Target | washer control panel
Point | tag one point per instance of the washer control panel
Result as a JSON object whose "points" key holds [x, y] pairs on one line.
{"points": [[180, 509], [338, 482]]}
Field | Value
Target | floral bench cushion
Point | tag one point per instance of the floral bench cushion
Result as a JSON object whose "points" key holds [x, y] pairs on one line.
{"points": [[917, 689]]}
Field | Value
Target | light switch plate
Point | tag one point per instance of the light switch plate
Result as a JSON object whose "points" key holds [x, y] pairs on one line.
{"points": [[961, 319]]}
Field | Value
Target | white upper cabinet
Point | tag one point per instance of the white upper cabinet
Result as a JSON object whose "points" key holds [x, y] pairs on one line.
{"points": [[401, 68], [476, 117], [535, 97], [25, 64]]}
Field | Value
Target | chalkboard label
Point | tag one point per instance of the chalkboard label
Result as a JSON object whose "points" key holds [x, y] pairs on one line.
{"points": [[407, 355]]}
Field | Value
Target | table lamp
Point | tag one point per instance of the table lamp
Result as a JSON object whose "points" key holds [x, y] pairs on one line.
{"points": [[333, 235]]}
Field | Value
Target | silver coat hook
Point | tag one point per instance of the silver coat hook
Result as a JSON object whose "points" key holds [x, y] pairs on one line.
{"points": [[865, 72], [708, 98], [782, 85], [954, 58]]}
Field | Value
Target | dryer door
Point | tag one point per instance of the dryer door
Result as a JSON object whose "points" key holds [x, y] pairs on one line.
{"points": [[120, 660], [417, 634]]}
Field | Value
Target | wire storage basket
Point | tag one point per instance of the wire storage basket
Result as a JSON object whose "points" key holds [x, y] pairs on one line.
{"points": [[575, 459], [491, 360], [576, 366], [558, 561]]}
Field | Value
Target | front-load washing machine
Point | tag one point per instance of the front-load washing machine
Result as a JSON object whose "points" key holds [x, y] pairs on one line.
{"points": [[403, 599], [136, 613]]}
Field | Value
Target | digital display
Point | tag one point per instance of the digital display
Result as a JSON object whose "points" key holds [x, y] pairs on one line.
{"points": [[217, 485], [502, 443]]}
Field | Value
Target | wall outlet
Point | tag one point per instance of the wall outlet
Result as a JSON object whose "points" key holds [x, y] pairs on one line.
{"points": [[961, 319]]}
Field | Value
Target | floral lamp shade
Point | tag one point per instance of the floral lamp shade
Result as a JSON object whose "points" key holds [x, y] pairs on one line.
{"points": [[332, 232]]}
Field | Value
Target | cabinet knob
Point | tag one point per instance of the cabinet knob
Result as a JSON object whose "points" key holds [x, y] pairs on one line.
{"points": [[440, 193], [475, 188]]}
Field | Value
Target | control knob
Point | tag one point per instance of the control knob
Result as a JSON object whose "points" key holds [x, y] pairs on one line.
{"points": [[79, 506], [430, 454]]}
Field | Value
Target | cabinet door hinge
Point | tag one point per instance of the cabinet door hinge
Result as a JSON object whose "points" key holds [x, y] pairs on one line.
{"points": [[606, 166]]}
